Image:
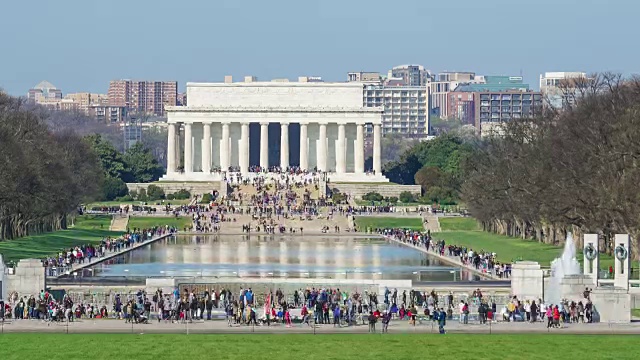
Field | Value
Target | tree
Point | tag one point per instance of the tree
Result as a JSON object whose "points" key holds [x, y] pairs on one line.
{"points": [[113, 188], [141, 165], [112, 161], [428, 176]]}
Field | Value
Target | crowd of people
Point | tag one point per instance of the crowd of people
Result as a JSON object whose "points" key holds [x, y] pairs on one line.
{"points": [[67, 258], [482, 261]]}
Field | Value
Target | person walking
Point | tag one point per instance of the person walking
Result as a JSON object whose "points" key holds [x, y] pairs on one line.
{"points": [[442, 320], [372, 322]]}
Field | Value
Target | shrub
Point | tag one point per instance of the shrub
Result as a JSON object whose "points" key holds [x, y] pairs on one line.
{"points": [[372, 196], [181, 194], [338, 197], [393, 199], [133, 194], [155, 192], [142, 195], [406, 197], [206, 198], [125, 198], [170, 197]]}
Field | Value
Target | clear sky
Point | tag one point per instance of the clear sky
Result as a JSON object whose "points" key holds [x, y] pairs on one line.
{"points": [[79, 45]]}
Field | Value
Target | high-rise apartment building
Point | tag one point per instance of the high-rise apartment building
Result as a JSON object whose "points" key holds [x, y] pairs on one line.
{"points": [[557, 87], [499, 106], [44, 91], [143, 97], [85, 100], [412, 75], [108, 114]]}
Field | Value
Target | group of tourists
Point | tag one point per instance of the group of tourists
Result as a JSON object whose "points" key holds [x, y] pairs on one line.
{"points": [[67, 258], [482, 261]]}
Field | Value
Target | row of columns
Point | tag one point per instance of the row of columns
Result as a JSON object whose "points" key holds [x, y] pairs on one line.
{"points": [[341, 161]]}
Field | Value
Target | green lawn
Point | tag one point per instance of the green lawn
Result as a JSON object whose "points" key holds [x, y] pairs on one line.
{"points": [[465, 232], [458, 223], [310, 347], [145, 222], [364, 222], [635, 312], [87, 229]]}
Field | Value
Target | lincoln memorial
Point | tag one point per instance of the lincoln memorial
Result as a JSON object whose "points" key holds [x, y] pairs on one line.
{"points": [[252, 126]]}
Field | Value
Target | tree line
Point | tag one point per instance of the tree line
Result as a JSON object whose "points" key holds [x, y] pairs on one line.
{"points": [[571, 169], [47, 169]]}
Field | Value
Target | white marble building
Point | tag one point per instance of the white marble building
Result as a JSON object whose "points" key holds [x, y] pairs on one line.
{"points": [[314, 126]]}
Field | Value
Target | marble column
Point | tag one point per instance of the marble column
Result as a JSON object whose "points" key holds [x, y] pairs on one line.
{"points": [[377, 149], [359, 150], [171, 149], [284, 146], [322, 148], [188, 149], [206, 149], [244, 148], [341, 160], [224, 148], [304, 148], [264, 145], [178, 153]]}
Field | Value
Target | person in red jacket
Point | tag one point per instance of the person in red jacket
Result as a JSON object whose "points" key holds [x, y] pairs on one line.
{"points": [[556, 316]]}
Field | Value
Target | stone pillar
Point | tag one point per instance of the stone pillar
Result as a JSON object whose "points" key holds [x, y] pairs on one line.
{"points": [[244, 149], [188, 149], [284, 146], [621, 254], [322, 148], [177, 148], [377, 149], [304, 148], [224, 148], [359, 150], [341, 161], [206, 149], [171, 149], [264, 145], [527, 280], [590, 249]]}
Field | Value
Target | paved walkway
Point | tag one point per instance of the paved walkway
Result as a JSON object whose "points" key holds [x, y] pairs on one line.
{"points": [[448, 259], [113, 254], [220, 326]]}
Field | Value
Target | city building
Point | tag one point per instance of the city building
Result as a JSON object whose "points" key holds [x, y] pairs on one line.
{"points": [[44, 90], [364, 76], [492, 107], [132, 132], [233, 127], [406, 108], [59, 104], [108, 114], [85, 100], [444, 83], [461, 106], [411, 75], [143, 97], [557, 87]]}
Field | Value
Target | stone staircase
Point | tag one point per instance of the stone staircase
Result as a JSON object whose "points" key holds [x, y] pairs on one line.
{"points": [[431, 222], [119, 223]]}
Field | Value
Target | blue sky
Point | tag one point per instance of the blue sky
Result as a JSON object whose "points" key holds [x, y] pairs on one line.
{"points": [[79, 45]]}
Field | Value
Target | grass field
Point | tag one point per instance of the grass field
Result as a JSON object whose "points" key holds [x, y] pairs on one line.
{"points": [[310, 347], [465, 232], [364, 222], [87, 229], [145, 222]]}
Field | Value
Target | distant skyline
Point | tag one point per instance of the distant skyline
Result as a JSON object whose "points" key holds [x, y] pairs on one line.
{"points": [[82, 45]]}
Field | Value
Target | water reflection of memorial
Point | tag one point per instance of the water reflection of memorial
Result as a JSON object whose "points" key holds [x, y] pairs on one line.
{"points": [[259, 256]]}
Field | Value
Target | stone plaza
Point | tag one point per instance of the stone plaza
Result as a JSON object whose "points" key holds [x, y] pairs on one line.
{"points": [[249, 127]]}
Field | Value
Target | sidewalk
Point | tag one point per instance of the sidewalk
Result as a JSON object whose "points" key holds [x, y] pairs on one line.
{"points": [[220, 326]]}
